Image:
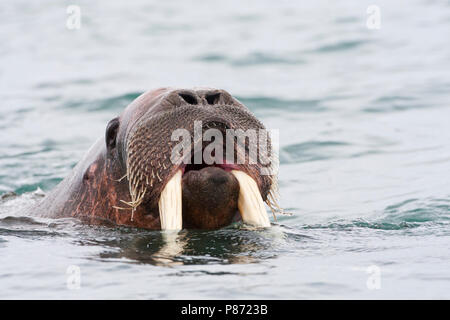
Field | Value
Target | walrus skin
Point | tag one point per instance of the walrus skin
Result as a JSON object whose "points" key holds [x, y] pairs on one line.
{"points": [[94, 189]]}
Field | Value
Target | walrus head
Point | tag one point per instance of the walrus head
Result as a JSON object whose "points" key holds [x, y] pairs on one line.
{"points": [[189, 159]]}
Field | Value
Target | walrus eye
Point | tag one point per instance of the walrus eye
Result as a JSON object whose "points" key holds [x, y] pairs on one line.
{"points": [[111, 133]]}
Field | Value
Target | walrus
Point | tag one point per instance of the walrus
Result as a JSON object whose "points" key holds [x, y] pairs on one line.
{"points": [[129, 176]]}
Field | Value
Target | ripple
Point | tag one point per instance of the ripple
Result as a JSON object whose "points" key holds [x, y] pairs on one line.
{"points": [[310, 151], [22, 221], [260, 58], [251, 59], [418, 211], [31, 234], [60, 84], [200, 273], [390, 103], [211, 57], [361, 223], [232, 245], [278, 105], [340, 46], [407, 214], [113, 103], [45, 184]]}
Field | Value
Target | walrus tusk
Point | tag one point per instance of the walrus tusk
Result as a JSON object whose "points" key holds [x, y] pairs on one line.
{"points": [[250, 202], [170, 204]]}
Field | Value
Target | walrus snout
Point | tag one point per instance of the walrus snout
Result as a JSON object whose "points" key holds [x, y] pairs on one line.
{"points": [[210, 198], [191, 130]]}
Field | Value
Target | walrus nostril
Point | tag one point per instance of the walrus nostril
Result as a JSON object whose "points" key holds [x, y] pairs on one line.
{"points": [[189, 98], [213, 98]]}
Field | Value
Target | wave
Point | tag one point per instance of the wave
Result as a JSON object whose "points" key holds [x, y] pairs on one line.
{"points": [[261, 103], [252, 59], [310, 151], [407, 214], [116, 103]]}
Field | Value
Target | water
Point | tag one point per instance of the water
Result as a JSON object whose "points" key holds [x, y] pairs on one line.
{"points": [[364, 145]]}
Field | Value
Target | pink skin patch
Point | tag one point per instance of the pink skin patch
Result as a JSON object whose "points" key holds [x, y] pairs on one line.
{"points": [[224, 166]]}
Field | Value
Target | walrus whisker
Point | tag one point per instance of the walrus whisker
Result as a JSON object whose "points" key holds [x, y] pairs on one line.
{"points": [[121, 208], [119, 180], [134, 180], [137, 189], [134, 203], [273, 206]]}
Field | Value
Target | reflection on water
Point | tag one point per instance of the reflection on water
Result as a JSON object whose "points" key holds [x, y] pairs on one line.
{"points": [[235, 244]]}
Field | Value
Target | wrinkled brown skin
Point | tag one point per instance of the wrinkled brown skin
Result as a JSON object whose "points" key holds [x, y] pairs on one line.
{"points": [[94, 187]]}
